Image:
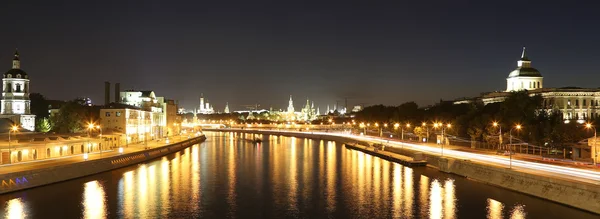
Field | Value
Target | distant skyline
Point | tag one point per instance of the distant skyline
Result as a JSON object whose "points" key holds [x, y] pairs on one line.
{"points": [[248, 52]]}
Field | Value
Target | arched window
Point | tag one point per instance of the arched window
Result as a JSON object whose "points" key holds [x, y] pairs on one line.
{"points": [[538, 84], [47, 152], [18, 88], [82, 149], [19, 156], [8, 87], [9, 76], [60, 151], [18, 75], [72, 149], [34, 154]]}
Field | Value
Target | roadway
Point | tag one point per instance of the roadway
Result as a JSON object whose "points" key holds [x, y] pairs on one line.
{"points": [[51, 162], [550, 170]]}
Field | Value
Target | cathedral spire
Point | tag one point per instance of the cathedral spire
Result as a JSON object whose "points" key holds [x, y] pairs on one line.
{"points": [[16, 64]]}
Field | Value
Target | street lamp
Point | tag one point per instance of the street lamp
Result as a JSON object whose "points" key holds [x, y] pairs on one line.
{"points": [[364, 127], [427, 129], [590, 126], [518, 127], [90, 127], [402, 129], [396, 126], [496, 124], [441, 125], [14, 129]]}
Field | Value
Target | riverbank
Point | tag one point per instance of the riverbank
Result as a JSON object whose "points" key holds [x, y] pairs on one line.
{"points": [[26, 179], [582, 195]]}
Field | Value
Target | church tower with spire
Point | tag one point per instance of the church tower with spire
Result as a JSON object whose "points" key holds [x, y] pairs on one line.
{"points": [[15, 104], [524, 77]]}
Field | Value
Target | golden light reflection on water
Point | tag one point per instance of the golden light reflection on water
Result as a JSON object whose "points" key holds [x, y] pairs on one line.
{"points": [[15, 208], [195, 194], [408, 192], [231, 195], [397, 191], [127, 194], [449, 199], [165, 181], [494, 209], [518, 212], [142, 192], [293, 178], [331, 178], [424, 195], [94, 200], [435, 200]]}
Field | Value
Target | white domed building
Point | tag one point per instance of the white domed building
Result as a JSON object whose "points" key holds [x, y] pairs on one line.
{"points": [[574, 103], [15, 103]]}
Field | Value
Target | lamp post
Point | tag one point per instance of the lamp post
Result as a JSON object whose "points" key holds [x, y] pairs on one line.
{"points": [[396, 126], [385, 125], [364, 127], [427, 129], [443, 127], [518, 127], [402, 129], [496, 124], [100, 144], [590, 126], [14, 129], [90, 127]]}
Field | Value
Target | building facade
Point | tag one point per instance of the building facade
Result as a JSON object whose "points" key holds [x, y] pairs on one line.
{"points": [[138, 125], [15, 103], [573, 103]]}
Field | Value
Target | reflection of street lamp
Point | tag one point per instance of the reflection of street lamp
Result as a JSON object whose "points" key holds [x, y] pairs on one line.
{"points": [[14, 129], [590, 126], [518, 127]]}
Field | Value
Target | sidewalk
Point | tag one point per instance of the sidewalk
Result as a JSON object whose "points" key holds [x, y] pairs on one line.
{"points": [[24, 166]]}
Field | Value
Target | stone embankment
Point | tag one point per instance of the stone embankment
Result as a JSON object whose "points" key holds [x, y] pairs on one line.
{"points": [[38, 177], [577, 194]]}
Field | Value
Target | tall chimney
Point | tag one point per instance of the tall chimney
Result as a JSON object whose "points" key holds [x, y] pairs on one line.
{"points": [[117, 92], [106, 93]]}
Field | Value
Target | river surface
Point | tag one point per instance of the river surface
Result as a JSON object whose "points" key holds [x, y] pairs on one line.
{"points": [[283, 177]]}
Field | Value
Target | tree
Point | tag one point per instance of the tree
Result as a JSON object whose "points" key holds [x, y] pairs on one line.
{"points": [[39, 105], [420, 131], [70, 118], [42, 125]]}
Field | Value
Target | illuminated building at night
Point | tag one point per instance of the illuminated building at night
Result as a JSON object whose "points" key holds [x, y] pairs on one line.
{"points": [[574, 103], [15, 96]]}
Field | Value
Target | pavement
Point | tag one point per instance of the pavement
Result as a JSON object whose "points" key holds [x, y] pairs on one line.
{"points": [[44, 163]]}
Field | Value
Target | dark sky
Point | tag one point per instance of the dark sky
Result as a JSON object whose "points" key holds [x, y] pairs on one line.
{"points": [[261, 52]]}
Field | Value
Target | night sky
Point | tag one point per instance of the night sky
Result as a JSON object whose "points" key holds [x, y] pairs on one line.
{"points": [[261, 52]]}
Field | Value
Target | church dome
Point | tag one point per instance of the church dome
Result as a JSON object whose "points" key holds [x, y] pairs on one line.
{"points": [[15, 73], [524, 68], [525, 72]]}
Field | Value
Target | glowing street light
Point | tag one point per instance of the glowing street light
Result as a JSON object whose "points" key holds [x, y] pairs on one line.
{"points": [[441, 125], [496, 124], [590, 126], [518, 127]]}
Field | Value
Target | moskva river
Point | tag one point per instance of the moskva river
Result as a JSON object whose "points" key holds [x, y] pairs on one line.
{"points": [[282, 177]]}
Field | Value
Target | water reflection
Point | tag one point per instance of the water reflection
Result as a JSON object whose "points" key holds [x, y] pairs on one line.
{"points": [[494, 209], [284, 177], [15, 208], [94, 200]]}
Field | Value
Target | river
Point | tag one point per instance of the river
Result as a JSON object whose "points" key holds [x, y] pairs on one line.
{"points": [[282, 177]]}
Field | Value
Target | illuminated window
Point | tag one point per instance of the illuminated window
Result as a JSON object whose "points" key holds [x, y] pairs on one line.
{"points": [[569, 102], [118, 114], [107, 114]]}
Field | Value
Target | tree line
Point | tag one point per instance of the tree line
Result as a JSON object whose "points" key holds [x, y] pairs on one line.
{"points": [[541, 127]]}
